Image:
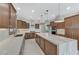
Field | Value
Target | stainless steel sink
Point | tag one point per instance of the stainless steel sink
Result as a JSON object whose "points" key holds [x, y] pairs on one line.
{"points": [[18, 35]]}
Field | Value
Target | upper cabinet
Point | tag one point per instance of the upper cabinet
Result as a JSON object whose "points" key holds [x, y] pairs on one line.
{"points": [[57, 25], [22, 24], [60, 25], [72, 27], [4, 15], [19, 24], [72, 22], [12, 16], [7, 15]]}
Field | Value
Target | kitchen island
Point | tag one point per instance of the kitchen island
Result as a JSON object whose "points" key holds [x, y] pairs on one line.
{"points": [[56, 45]]}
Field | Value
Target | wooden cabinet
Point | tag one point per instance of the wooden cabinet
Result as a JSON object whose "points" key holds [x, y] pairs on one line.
{"points": [[30, 35], [57, 25], [4, 15], [12, 16], [47, 47], [27, 25], [7, 15], [22, 24], [36, 38], [60, 25], [50, 49], [19, 24], [12, 19], [72, 27], [42, 43]]}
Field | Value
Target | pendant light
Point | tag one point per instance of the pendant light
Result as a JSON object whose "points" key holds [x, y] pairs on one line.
{"points": [[59, 16]]}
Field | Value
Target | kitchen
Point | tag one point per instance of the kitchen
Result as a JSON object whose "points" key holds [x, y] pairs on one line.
{"points": [[39, 29]]}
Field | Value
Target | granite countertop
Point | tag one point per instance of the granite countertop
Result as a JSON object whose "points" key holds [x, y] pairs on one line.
{"points": [[11, 46], [55, 39]]}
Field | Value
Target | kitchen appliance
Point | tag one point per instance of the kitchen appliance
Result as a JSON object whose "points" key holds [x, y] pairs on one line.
{"points": [[53, 31]]}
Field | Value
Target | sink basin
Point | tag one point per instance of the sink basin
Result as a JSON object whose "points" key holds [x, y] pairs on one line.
{"points": [[18, 35]]}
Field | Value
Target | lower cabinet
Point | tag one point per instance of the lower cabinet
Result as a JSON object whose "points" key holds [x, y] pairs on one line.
{"points": [[47, 47], [38, 40], [50, 49], [42, 44], [29, 35]]}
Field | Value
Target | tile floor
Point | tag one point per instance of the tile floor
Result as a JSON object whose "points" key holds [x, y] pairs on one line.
{"points": [[32, 48]]}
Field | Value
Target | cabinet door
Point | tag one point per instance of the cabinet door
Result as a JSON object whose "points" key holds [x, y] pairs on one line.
{"points": [[42, 44], [68, 22], [19, 24], [29, 35], [26, 35], [13, 17], [50, 49], [4, 15], [60, 25], [38, 40], [24, 24], [39, 43], [27, 25], [78, 39], [36, 37]]}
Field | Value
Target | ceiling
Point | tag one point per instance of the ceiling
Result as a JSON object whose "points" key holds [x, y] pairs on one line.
{"points": [[33, 11]]}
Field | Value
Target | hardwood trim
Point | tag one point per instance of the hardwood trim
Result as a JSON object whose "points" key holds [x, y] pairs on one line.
{"points": [[12, 6]]}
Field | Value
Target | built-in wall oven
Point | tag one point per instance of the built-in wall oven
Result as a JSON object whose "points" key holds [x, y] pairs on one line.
{"points": [[53, 31]]}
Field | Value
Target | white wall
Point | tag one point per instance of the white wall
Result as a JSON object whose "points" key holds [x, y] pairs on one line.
{"points": [[42, 27], [4, 33]]}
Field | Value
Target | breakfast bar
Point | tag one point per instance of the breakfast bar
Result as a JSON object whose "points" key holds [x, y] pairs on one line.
{"points": [[56, 45]]}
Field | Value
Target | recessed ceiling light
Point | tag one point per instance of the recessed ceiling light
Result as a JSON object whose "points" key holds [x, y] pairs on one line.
{"points": [[18, 8], [33, 11], [53, 15], [68, 8]]}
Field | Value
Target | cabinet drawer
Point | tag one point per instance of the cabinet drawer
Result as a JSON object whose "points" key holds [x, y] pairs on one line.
{"points": [[29, 35]]}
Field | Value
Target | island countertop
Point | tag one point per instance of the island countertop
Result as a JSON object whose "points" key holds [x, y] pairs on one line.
{"points": [[55, 39]]}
